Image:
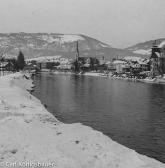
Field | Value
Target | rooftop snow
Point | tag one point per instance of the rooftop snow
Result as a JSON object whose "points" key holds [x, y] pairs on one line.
{"points": [[119, 62], [162, 44]]}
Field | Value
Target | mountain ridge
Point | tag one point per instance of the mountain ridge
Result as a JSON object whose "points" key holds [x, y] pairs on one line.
{"points": [[144, 48], [51, 44]]}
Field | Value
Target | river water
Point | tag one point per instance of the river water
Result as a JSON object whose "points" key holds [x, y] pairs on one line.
{"points": [[131, 113]]}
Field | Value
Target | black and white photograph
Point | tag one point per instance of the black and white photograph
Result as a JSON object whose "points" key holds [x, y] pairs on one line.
{"points": [[82, 83]]}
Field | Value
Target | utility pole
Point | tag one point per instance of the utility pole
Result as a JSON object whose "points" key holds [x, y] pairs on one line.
{"points": [[77, 50], [77, 58]]}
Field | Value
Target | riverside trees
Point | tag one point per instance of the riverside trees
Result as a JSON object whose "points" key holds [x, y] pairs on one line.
{"points": [[20, 62]]}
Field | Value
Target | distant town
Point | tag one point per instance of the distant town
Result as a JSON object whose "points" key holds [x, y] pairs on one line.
{"points": [[129, 67]]}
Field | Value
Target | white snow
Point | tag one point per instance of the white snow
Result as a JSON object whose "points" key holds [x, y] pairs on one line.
{"points": [[70, 38], [142, 51], [92, 74], [67, 38], [162, 44], [119, 62], [45, 59], [138, 59], [158, 54], [132, 58], [31, 135], [104, 45], [49, 38]]}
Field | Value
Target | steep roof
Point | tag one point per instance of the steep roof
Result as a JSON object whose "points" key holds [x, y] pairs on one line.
{"points": [[155, 55], [162, 44]]}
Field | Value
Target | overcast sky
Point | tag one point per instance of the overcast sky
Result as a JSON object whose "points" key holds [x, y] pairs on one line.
{"points": [[119, 23]]}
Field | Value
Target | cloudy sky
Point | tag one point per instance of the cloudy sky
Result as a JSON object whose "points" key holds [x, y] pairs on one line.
{"points": [[119, 23]]}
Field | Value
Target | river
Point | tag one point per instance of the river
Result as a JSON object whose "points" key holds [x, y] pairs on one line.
{"points": [[131, 113]]}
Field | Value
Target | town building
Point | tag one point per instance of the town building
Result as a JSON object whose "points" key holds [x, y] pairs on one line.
{"points": [[120, 66], [158, 59]]}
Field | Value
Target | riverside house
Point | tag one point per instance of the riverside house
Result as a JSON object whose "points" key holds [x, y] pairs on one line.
{"points": [[131, 65], [158, 59], [6, 67], [120, 65]]}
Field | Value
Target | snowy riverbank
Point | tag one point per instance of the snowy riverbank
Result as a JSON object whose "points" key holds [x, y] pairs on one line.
{"points": [[31, 136]]}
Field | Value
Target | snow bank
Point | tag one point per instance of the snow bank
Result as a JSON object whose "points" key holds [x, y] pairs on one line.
{"points": [[31, 136], [91, 74]]}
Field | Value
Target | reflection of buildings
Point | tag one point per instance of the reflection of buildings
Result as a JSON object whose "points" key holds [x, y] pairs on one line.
{"points": [[158, 59]]}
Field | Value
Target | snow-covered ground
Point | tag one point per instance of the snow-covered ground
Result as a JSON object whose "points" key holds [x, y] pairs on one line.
{"points": [[91, 74], [45, 59], [66, 38], [143, 51], [30, 136]]}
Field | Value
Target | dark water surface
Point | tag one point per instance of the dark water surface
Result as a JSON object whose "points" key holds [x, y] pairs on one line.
{"points": [[131, 113]]}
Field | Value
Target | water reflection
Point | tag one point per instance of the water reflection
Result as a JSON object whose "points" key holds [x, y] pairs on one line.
{"points": [[131, 113]]}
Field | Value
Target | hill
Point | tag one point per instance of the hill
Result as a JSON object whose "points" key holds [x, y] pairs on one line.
{"points": [[44, 44], [144, 48]]}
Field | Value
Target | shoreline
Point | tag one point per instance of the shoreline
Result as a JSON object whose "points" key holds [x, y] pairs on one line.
{"points": [[160, 81], [30, 133]]}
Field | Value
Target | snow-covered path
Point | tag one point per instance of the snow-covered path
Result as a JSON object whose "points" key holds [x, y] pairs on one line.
{"points": [[30, 136]]}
